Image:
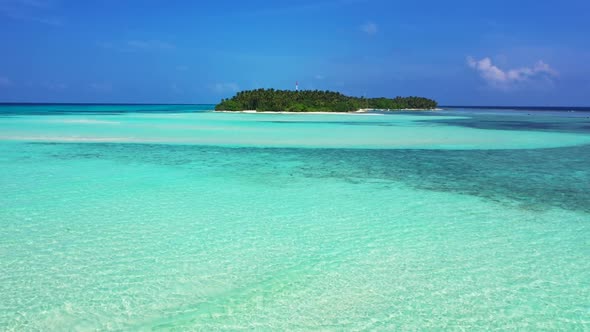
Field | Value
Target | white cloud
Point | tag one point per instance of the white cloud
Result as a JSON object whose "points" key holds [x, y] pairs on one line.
{"points": [[369, 28], [297, 7], [31, 3], [499, 78], [149, 45], [319, 77], [29, 10], [136, 45], [226, 87], [55, 86], [5, 82]]}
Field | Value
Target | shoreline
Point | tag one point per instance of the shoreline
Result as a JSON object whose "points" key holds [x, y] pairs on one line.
{"points": [[364, 111], [287, 112]]}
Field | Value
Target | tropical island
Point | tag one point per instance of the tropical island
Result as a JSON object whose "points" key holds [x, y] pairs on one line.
{"points": [[271, 100]]}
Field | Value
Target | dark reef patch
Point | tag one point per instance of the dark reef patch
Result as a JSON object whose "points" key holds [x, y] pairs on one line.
{"points": [[532, 178]]}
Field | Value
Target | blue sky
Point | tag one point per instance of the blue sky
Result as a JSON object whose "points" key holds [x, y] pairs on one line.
{"points": [[458, 52]]}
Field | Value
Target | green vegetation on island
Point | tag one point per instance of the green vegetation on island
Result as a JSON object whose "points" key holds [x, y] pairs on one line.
{"points": [[269, 100]]}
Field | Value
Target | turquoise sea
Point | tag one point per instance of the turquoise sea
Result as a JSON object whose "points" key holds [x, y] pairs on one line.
{"points": [[172, 217]]}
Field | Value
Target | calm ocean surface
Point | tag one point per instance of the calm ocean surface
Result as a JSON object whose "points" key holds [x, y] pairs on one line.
{"points": [[140, 217]]}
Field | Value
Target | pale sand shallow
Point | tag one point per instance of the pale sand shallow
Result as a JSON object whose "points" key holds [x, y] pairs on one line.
{"points": [[88, 121]]}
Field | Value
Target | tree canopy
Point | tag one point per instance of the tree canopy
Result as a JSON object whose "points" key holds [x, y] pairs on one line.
{"points": [[316, 101]]}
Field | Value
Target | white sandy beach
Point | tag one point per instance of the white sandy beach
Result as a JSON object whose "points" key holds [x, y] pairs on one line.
{"points": [[285, 112], [363, 111]]}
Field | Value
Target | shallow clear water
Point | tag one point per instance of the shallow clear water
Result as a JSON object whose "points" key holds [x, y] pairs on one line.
{"points": [[459, 219]]}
